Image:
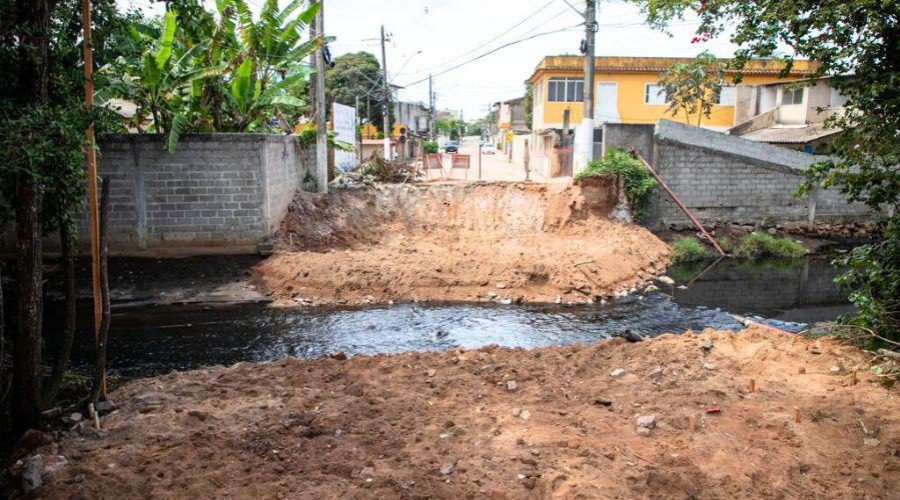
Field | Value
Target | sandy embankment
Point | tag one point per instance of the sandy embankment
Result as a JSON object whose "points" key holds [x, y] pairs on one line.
{"points": [[493, 241], [492, 423]]}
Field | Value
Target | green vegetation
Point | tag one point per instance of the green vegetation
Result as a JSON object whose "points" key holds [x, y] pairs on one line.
{"points": [[639, 183], [758, 246], [852, 37], [203, 73], [431, 147], [693, 88], [352, 78], [687, 249], [451, 128]]}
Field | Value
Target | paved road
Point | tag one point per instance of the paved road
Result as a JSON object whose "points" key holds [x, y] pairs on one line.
{"points": [[494, 167]]}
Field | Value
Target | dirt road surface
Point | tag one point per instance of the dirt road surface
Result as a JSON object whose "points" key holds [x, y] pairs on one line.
{"points": [[673, 417], [475, 242]]}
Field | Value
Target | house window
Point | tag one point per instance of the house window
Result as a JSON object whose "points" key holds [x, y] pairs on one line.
{"points": [[792, 96], [565, 90], [655, 94], [726, 96]]}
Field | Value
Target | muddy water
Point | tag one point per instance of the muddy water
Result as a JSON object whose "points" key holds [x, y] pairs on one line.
{"points": [[155, 340]]}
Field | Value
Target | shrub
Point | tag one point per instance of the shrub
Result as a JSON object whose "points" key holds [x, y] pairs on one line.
{"points": [[688, 249], [756, 246], [430, 147], [639, 183]]}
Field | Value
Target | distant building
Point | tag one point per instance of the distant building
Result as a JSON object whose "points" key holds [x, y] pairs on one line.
{"points": [[414, 116], [627, 91], [510, 122], [791, 114]]}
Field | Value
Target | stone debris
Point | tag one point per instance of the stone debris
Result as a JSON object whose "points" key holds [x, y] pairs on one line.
{"points": [[646, 421], [511, 385], [618, 372]]}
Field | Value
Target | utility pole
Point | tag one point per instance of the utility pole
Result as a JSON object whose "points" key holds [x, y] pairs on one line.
{"points": [[431, 107], [358, 135], [321, 105], [584, 140], [386, 105]]}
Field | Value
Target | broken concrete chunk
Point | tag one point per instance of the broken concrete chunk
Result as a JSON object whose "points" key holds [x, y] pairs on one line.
{"points": [[618, 372]]}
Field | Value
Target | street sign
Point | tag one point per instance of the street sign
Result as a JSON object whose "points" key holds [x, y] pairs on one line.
{"points": [[344, 118]]}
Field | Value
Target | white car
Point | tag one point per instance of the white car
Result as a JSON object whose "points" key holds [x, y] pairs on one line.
{"points": [[488, 149]]}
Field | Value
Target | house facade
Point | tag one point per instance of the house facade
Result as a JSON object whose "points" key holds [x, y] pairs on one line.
{"points": [[791, 114], [628, 91], [510, 121]]}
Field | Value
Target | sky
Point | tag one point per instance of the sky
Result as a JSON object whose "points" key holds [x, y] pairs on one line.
{"points": [[433, 36]]}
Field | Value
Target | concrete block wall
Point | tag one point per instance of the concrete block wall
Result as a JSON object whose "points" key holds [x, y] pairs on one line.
{"points": [[218, 193], [723, 178]]}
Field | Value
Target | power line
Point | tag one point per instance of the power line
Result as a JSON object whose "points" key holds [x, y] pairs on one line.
{"points": [[520, 23], [492, 52]]}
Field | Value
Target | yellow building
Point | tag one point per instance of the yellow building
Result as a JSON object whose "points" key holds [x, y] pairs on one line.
{"points": [[628, 91]]}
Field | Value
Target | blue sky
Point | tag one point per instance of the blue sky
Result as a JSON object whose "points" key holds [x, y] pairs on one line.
{"points": [[434, 35]]}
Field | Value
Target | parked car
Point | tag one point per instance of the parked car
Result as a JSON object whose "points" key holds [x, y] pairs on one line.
{"points": [[451, 147], [488, 149]]}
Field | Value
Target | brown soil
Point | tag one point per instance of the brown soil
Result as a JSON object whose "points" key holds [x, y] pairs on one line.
{"points": [[452, 425], [489, 241]]}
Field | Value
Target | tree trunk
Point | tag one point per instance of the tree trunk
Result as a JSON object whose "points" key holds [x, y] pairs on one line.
{"points": [[33, 20], [51, 387], [27, 347], [99, 390]]}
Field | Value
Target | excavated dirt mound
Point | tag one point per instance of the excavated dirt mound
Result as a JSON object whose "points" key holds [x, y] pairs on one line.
{"points": [[486, 241], [493, 423]]}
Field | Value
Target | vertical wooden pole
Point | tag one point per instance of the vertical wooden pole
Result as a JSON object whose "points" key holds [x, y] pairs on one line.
{"points": [[92, 168]]}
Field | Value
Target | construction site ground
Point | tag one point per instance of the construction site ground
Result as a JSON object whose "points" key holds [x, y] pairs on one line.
{"points": [[754, 414], [517, 242]]}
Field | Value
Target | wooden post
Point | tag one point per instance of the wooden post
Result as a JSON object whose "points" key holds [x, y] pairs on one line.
{"points": [[91, 154]]}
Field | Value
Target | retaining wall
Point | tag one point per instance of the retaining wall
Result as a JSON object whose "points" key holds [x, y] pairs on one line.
{"points": [[218, 193], [723, 178]]}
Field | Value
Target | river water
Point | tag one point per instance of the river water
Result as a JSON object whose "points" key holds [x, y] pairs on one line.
{"points": [[155, 340]]}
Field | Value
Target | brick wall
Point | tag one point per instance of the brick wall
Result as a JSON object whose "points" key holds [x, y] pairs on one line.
{"points": [[218, 193]]}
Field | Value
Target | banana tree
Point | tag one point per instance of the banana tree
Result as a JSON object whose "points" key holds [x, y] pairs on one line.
{"points": [[269, 70], [162, 82]]}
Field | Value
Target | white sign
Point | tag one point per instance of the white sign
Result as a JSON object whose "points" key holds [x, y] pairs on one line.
{"points": [[344, 121]]}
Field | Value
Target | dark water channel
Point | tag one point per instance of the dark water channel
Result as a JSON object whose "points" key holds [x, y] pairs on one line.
{"points": [[155, 340]]}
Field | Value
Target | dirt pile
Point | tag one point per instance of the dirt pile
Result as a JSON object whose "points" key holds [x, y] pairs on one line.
{"points": [[486, 241], [673, 417]]}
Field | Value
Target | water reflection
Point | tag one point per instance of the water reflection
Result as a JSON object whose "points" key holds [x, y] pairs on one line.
{"points": [[156, 340]]}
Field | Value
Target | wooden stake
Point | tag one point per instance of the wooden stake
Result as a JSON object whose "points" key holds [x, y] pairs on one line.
{"points": [[91, 165], [752, 385], [855, 379], [692, 423], [796, 415]]}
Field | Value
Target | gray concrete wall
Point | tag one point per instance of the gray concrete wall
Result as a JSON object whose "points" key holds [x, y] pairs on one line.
{"points": [[218, 193], [722, 178], [626, 136]]}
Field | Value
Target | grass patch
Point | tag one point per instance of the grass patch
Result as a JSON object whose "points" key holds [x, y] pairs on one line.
{"points": [[688, 249], [639, 183], [758, 246]]}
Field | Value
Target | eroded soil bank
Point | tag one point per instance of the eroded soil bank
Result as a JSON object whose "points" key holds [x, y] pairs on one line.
{"points": [[487, 241], [672, 417]]}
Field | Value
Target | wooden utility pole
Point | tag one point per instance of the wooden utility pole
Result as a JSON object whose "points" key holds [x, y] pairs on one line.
{"points": [[93, 215], [431, 108], [321, 106], [386, 105], [584, 143]]}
